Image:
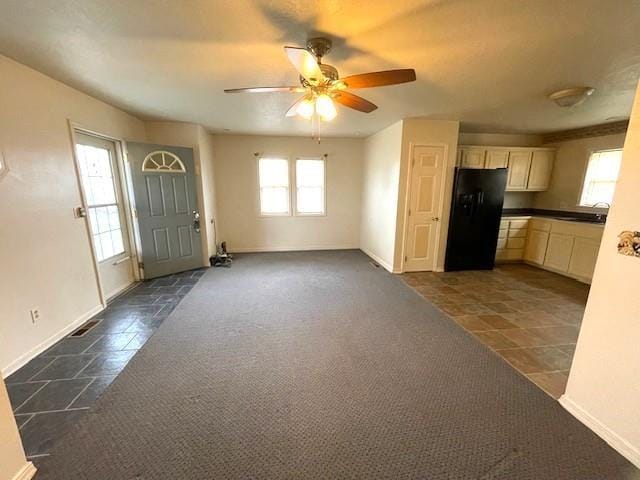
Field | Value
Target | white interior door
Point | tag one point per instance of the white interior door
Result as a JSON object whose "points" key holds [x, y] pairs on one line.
{"points": [[103, 205], [427, 171]]}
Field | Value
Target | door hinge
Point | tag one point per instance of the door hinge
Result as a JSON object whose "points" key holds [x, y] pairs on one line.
{"points": [[406, 259], [413, 162], [140, 265], [409, 212]]}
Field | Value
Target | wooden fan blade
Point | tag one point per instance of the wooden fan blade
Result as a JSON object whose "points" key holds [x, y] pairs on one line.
{"points": [[265, 90], [380, 79], [305, 63], [293, 110], [353, 101]]}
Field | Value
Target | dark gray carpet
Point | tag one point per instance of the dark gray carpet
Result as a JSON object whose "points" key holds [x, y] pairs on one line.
{"points": [[318, 365]]}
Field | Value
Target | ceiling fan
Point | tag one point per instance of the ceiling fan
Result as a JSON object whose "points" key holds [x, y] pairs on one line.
{"points": [[322, 86]]}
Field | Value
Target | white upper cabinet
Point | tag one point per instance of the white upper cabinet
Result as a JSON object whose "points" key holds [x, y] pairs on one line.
{"points": [[472, 158], [496, 158], [540, 172], [529, 168], [519, 166]]}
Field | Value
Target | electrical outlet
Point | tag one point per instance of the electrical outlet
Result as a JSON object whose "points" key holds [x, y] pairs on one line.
{"points": [[35, 315]]}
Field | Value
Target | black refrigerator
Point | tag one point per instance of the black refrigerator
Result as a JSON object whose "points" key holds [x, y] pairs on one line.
{"points": [[478, 195]]}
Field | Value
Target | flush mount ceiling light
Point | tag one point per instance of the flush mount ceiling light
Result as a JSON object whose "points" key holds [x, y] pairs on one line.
{"points": [[570, 97]]}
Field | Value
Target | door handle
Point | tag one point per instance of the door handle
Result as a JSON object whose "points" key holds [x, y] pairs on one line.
{"points": [[79, 212], [435, 219], [196, 221]]}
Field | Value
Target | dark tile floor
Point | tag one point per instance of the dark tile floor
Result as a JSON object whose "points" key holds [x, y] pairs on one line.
{"points": [[53, 390], [528, 316]]}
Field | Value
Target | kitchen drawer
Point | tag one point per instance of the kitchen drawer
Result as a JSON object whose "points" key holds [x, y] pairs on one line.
{"points": [[578, 229], [540, 224], [504, 224], [514, 254], [502, 243], [518, 223], [516, 243], [517, 232], [503, 233]]}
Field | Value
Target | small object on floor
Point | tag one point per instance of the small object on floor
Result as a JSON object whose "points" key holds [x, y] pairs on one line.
{"points": [[222, 258]]}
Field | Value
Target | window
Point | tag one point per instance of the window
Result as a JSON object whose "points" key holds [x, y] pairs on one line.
{"points": [[310, 186], [600, 177], [163, 161], [99, 187], [273, 175]]}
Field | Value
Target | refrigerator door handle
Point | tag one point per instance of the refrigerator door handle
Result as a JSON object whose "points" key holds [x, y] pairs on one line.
{"points": [[480, 200]]}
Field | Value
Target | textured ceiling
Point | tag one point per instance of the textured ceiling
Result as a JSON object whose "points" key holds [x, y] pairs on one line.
{"points": [[489, 64]]}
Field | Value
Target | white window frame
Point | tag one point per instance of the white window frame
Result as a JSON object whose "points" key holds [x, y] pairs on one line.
{"points": [[584, 177], [259, 206], [118, 203], [324, 187]]}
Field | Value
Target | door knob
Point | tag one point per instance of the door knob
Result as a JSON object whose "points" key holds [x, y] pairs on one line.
{"points": [[196, 221], [435, 219]]}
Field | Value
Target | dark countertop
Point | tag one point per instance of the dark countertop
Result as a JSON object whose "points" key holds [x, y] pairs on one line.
{"points": [[555, 214]]}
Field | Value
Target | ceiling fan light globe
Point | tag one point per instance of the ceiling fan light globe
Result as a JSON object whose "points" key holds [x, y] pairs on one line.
{"points": [[306, 109], [326, 108]]}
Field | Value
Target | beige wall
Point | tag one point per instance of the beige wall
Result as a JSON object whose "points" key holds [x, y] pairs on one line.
{"points": [[196, 137], [45, 257], [12, 460], [380, 184], [568, 171], [604, 383], [209, 201], [420, 131], [239, 222], [519, 199], [500, 139]]}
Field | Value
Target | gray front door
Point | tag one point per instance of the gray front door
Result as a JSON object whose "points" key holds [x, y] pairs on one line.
{"points": [[164, 188]]}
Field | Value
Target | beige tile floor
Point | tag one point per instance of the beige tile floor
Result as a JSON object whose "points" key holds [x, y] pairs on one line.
{"points": [[528, 316]]}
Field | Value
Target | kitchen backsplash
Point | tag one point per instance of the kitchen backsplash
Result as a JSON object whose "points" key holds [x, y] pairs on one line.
{"points": [[518, 199]]}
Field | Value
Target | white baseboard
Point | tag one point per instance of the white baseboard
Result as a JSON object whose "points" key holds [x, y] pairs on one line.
{"points": [[586, 280], [618, 443], [26, 472], [388, 267], [37, 350], [291, 249], [120, 290]]}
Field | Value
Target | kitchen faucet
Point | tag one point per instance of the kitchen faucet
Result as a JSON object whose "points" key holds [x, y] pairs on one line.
{"points": [[601, 217]]}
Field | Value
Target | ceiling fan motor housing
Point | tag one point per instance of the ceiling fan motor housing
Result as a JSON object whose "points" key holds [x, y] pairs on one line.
{"points": [[319, 46]]}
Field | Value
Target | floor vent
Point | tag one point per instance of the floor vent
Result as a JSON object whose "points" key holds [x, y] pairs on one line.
{"points": [[375, 264], [85, 328]]}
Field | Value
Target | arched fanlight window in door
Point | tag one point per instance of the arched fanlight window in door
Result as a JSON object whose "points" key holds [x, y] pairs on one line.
{"points": [[163, 161]]}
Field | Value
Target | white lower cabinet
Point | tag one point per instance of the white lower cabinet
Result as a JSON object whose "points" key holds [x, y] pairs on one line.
{"points": [[536, 246], [559, 251], [565, 247], [583, 257], [512, 238]]}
